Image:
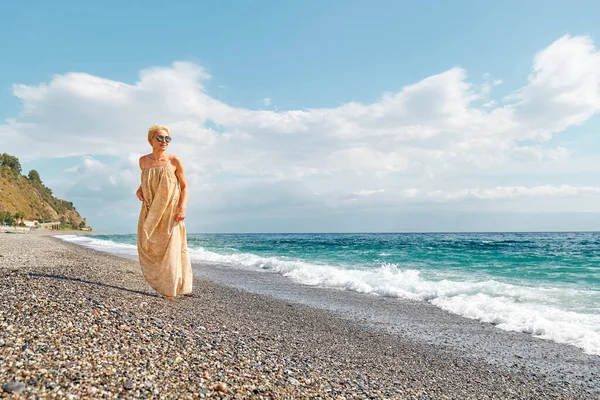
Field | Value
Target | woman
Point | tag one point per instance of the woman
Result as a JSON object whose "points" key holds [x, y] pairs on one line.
{"points": [[162, 241]]}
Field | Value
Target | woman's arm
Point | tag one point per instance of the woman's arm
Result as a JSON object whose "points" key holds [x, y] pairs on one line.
{"points": [[139, 193], [183, 198]]}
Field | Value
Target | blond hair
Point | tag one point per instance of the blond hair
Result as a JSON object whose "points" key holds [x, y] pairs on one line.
{"points": [[154, 129]]}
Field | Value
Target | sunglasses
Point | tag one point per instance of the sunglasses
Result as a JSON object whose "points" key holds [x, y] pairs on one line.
{"points": [[162, 138]]}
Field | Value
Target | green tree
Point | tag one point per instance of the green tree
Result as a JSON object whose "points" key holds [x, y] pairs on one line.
{"points": [[34, 176], [6, 218], [10, 161], [19, 215]]}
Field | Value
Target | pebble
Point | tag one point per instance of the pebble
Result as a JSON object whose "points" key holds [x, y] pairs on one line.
{"points": [[220, 387], [128, 384], [14, 387]]}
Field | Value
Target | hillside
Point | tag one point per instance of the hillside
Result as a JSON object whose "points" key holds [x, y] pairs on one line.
{"points": [[26, 197]]}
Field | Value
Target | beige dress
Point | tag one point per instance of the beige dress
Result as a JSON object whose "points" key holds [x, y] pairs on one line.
{"points": [[162, 242]]}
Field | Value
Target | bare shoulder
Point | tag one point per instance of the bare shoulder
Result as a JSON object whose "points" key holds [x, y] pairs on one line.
{"points": [[142, 161], [176, 161]]}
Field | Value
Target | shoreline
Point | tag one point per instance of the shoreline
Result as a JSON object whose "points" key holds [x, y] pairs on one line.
{"points": [[424, 323], [111, 335]]}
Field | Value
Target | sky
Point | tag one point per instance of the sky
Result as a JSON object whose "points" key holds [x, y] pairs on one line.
{"points": [[312, 116]]}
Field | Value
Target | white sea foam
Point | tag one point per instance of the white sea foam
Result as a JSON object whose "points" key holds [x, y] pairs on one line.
{"points": [[541, 320], [509, 306], [559, 314], [122, 249]]}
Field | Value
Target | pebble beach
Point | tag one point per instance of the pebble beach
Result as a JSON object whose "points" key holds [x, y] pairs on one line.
{"points": [[79, 324]]}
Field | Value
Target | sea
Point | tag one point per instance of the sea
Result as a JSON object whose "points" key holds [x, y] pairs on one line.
{"points": [[543, 284]]}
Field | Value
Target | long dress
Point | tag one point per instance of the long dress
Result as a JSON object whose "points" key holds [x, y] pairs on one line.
{"points": [[162, 241]]}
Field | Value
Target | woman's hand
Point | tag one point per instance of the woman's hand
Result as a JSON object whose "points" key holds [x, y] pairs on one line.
{"points": [[140, 194], [179, 214]]}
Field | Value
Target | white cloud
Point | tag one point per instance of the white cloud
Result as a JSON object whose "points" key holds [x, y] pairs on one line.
{"points": [[512, 192], [365, 192], [88, 165], [93, 179], [563, 90], [541, 153], [421, 143]]}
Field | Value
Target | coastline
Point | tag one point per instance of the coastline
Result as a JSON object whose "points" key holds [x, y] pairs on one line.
{"points": [[85, 323], [424, 323]]}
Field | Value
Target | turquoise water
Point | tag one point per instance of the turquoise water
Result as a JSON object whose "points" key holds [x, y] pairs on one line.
{"points": [[546, 284], [552, 258]]}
